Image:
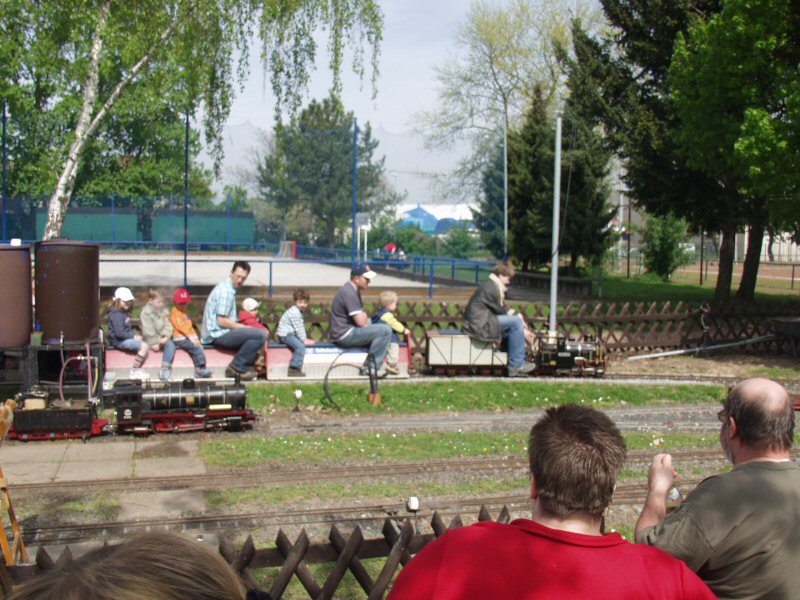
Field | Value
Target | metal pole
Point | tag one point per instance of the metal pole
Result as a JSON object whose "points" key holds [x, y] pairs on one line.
{"points": [[556, 219], [5, 162], [430, 282], [630, 235], [186, 201], [353, 250], [505, 185], [113, 223], [229, 222], [270, 279]]}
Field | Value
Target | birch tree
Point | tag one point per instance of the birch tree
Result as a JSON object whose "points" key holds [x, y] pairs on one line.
{"points": [[85, 55]]}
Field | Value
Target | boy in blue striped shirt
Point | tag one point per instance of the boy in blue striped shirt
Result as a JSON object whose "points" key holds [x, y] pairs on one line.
{"points": [[292, 332]]}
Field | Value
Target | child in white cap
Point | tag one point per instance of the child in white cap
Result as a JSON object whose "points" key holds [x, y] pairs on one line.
{"points": [[249, 314], [121, 334]]}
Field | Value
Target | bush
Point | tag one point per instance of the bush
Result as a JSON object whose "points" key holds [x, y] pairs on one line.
{"points": [[661, 245]]}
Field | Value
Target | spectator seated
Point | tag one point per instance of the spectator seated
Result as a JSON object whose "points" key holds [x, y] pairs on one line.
{"points": [[182, 367], [319, 358]]}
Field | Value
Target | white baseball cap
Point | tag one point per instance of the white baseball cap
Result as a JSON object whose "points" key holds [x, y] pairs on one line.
{"points": [[250, 304], [124, 294]]}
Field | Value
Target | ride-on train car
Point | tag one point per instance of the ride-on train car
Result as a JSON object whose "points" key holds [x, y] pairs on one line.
{"points": [[451, 352]]}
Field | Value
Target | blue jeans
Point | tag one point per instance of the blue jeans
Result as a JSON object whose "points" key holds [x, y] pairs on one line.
{"points": [[198, 356], [377, 336], [298, 348], [129, 345], [513, 334], [247, 340]]}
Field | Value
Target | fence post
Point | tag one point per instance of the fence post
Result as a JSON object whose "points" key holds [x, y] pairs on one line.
{"points": [[270, 279], [453, 269], [229, 222], [430, 284], [793, 267]]}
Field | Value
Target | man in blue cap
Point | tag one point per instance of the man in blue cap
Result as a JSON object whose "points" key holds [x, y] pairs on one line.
{"points": [[350, 326]]}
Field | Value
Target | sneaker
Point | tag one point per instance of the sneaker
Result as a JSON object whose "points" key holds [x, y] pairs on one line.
{"points": [[139, 374], [295, 372], [233, 372], [392, 369], [521, 371], [202, 373], [166, 373]]}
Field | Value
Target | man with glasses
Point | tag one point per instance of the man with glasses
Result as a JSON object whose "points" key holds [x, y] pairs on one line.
{"points": [[739, 531], [350, 326]]}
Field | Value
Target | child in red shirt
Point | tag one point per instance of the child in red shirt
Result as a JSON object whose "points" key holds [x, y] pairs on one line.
{"points": [[184, 337], [249, 314]]}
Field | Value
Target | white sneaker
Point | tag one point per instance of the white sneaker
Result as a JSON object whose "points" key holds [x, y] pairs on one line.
{"points": [[139, 374]]}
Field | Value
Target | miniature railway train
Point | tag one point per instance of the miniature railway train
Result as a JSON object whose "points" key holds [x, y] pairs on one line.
{"points": [[62, 381], [67, 372]]}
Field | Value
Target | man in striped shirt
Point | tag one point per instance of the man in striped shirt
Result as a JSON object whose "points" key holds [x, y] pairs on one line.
{"points": [[222, 330]]}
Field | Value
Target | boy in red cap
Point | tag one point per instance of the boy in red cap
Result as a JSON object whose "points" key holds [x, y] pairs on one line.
{"points": [[184, 337]]}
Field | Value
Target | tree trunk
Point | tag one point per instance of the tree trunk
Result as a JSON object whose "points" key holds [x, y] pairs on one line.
{"points": [[770, 244], [722, 293], [747, 286], [573, 265], [57, 208], [88, 124]]}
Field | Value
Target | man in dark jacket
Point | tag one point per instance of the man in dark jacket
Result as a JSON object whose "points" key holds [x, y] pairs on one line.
{"points": [[487, 319]]}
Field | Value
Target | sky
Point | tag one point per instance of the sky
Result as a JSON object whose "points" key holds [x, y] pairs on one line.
{"points": [[418, 35]]}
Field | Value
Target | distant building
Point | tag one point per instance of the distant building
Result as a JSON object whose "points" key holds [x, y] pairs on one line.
{"points": [[419, 217]]}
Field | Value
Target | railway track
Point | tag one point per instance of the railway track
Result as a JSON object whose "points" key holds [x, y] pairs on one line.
{"points": [[248, 479], [365, 515]]}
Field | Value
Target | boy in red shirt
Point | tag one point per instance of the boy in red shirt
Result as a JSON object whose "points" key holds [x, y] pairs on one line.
{"points": [[184, 337]]}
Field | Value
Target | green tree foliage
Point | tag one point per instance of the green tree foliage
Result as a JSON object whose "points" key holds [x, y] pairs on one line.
{"points": [[735, 86], [585, 216], [78, 60], [310, 169], [488, 215], [459, 242], [661, 245], [504, 51], [415, 241], [624, 80]]}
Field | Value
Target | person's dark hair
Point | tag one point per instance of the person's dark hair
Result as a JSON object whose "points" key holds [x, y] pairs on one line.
{"points": [[241, 264], [575, 455], [153, 566], [503, 268], [764, 415], [301, 294]]}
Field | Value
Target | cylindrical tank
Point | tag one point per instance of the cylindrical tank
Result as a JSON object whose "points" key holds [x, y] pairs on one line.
{"points": [[67, 291], [15, 300]]}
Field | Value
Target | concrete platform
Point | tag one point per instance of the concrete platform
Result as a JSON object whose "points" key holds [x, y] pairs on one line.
{"points": [[117, 458], [166, 269]]}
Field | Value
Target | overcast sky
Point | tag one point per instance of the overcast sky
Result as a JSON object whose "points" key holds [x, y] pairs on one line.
{"points": [[417, 35]]}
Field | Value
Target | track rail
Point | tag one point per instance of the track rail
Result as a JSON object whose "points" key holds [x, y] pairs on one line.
{"points": [[248, 479], [366, 515]]}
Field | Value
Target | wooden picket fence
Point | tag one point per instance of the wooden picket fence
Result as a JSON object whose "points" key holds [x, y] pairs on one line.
{"points": [[398, 542], [622, 327]]}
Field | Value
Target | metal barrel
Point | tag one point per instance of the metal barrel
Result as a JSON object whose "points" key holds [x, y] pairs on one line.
{"points": [[15, 301], [67, 290]]}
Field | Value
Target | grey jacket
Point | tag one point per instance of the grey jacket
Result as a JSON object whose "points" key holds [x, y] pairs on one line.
{"points": [[480, 316]]}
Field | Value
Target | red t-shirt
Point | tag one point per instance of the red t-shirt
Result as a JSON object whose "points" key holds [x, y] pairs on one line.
{"points": [[526, 560]]}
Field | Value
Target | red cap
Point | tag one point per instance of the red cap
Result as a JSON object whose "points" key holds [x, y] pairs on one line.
{"points": [[181, 296]]}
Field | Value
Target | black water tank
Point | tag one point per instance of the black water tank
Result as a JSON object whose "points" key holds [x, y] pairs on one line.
{"points": [[67, 290], [15, 300]]}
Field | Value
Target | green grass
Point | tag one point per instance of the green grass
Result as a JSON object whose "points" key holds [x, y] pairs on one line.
{"points": [[648, 288], [102, 506], [380, 490], [498, 394], [311, 449]]}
